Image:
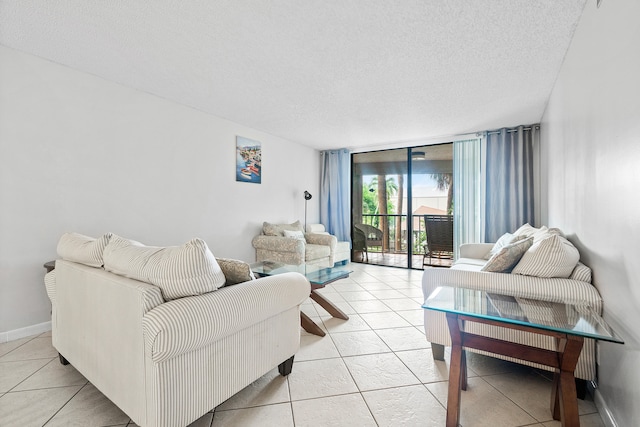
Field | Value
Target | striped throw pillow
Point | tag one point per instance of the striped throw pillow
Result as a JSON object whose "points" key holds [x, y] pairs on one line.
{"points": [[76, 247], [554, 256], [581, 273], [179, 271]]}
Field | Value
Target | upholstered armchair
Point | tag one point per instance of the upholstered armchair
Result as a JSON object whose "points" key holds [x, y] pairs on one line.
{"points": [[289, 244]]}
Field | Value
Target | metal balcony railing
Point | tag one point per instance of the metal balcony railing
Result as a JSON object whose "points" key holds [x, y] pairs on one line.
{"points": [[394, 229]]}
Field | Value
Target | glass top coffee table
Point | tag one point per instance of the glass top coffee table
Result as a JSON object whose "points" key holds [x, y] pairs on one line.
{"points": [[568, 324], [318, 276]]}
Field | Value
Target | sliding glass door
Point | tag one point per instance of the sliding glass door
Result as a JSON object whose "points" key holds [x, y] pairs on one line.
{"points": [[392, 191]]}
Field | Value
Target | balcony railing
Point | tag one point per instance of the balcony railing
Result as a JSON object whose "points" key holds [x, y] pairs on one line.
{"points": [[394, 229]]}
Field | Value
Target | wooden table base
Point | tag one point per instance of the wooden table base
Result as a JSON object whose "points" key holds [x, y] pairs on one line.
{"points": [[564, 402], [308, 324]]}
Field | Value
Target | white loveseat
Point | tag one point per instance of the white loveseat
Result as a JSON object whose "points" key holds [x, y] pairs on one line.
{"points": [[163, 357], [466, 272], [289, 244]]}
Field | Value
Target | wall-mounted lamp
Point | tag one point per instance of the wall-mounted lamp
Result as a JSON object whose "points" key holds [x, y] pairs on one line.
{"points": [[307, 197]]}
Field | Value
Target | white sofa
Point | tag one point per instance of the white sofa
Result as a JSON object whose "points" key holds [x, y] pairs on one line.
{"points": [[466, 272], [166, 359]]}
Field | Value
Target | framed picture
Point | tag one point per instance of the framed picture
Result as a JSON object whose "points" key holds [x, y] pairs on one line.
{"points": [[248, 160]]}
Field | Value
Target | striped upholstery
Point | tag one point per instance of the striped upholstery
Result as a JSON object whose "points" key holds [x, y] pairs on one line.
{"points": [[179, 271], [166, 364], [581, 273], [553, 256], [187, 324], [86, 250], [546, 289]]}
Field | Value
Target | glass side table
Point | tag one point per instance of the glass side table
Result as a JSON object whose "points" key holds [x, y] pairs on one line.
{"points": [[568, 324]]}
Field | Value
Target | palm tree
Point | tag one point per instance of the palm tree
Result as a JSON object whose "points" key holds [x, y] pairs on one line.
{"points": [[444, 181]]}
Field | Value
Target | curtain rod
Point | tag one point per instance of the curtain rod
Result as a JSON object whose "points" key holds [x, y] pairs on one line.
{"points": [[495, 132]]}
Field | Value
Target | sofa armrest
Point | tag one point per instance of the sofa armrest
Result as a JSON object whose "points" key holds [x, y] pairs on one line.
{"points": [[475, 250], [278, 244], [186, 324], [545, 289], [322, 239]]}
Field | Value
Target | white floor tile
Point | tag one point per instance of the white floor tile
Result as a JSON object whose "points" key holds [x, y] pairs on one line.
{"points": [[358, 343], [369, 306], [421, 363], [89, 408], [34, 407], [405, 406], [337, 411], [320, 378], [313, 347], [377, 371], [54, 374], [484, 406], [13, 373], [269, 389], [384, 320], [415, 317], [355, 323], [398, 339], [402, 304], [37, 348], [278, 415]]}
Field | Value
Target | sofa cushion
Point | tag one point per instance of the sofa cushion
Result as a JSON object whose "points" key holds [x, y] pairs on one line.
{"points": [[294, 234], [313, 252], [538, 234], [83, 249], [235, 271], [269, 229], [503, 241], [508, 256], [581, 272], [554, 256], [179, 271]]}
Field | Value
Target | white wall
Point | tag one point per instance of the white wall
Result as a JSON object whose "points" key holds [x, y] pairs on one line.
{"points": [[591, 150], [78, 153]]}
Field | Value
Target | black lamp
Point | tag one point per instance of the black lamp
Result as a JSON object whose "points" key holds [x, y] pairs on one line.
{"points": [[307, 197]]}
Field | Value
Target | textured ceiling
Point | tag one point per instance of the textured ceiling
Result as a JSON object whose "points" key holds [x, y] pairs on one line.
{"points": [[328, 74]]}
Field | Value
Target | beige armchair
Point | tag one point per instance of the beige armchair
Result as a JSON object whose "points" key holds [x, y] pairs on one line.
{"points": [[289, 244]]}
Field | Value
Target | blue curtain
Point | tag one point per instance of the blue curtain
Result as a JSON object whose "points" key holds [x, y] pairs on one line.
{"points": [[335, 198], [510, 180], [468, 192]]}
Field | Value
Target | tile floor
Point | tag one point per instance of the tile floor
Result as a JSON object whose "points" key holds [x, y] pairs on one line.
{"points": [[373, 370]]}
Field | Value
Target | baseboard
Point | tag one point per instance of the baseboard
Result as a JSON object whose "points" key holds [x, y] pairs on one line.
{"points": [[16, 334], [603, 409]]}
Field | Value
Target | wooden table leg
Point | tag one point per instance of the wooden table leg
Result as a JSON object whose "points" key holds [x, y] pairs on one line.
{"points": [[569, 351], [328, 305], [455, 372], [310, 326]]}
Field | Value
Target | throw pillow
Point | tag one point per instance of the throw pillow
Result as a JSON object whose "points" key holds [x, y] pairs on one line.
{"points": [[235, 271], [299, 235], [83, 249], [269, 229], [554, 256], [179, 271], [508, 256], [503, 241]]}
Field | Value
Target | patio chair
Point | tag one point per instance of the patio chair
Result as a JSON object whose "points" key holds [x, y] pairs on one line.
{"points": [[439, 244], [372, 237]]}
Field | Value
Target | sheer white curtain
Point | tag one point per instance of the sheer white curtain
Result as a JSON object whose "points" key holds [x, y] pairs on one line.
{"points": [[468, 192], [335, 198], [510, 179]]}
